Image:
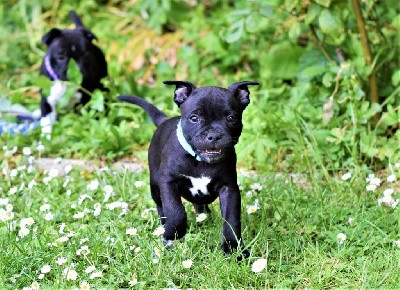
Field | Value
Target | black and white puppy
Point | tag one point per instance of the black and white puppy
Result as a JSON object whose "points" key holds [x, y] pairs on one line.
{"points": [[193, 156], [77, 44]]}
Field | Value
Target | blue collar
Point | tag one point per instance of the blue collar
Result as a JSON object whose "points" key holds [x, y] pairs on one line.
{"points": [[49, 68], [184, 143]]}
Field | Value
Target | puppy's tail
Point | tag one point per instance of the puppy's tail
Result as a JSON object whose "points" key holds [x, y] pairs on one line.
{"points": [[155, 114], [75, 18]]}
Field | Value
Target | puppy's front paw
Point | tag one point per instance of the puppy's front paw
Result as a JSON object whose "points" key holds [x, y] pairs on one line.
{"points": [[229, 247], [244, 254], [168, 243]]}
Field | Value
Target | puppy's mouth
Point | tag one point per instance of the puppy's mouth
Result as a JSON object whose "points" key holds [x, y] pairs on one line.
{"points": [[211, 151], [211, 155]]}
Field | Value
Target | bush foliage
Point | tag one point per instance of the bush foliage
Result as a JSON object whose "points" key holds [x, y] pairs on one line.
{"points": [[329, 95]]}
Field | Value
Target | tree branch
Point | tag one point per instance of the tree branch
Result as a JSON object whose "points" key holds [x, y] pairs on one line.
{"points": [[373, 87]]}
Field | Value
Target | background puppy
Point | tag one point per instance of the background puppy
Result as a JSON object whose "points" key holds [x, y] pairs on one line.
{"points": [[62, 45], [193, 156]]}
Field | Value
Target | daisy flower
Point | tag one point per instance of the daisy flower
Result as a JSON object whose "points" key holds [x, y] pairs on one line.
{"points": [[45, 269], [133, 282], [85, 285], [53, 173], [40, 147], [62, 227], [26, 151], [391, 178], [48, 216], [93, 185], [32, 184], [159, 231], [138, 184], [396, 244], [256, 187], [90, 269], [97, 274], [84, 250], [60, 261], [145, 213], [35, 285], [13, 190], [371, 187], [346, 176], [79, 215], [131, 231], [157, 251], [13, 173], [341, 238], [23, 232], [201, 217], [63, 239], [252, 209], [187, 264], [70, 274], [259, 265], [108, 189]]}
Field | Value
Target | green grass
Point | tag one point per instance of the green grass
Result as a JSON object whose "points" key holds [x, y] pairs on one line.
{"points": [[297, 224], [295, 229]]}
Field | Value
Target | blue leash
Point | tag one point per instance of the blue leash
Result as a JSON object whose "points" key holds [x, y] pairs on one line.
{"points": [[19, 128]]}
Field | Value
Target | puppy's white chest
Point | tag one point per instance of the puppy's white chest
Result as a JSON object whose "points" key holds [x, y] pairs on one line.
{"points": [[199, 185]]}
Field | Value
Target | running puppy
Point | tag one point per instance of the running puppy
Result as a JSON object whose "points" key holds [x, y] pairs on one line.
{"points": [[193, 156]]}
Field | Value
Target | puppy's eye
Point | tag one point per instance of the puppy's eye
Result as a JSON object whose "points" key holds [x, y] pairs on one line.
{"points": [[61, 57], [194, 119], [231, 119]]}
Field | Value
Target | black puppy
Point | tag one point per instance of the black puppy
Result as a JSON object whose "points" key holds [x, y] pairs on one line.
{"points": [[76, 44], [193, 156]]}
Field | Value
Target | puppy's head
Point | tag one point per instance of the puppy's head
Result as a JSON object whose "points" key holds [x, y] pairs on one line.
{"points": [[62, 45], [211, 116]]}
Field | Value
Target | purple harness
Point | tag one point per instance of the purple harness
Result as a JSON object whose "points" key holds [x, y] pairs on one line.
{"points": [[49, 68]]}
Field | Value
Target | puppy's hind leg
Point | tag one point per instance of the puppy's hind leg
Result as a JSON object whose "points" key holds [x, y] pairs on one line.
{"points": [[155, 194]]}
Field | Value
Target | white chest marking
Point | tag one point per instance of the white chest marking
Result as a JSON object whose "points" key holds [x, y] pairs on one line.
{"points": [[199, 185]]}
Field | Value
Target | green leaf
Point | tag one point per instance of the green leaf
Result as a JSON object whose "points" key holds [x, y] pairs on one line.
{"points": [[74, 74], [396, 78], [327, 79], [312, 13], [234, 32], [97, 101], [329, 24], [282, 61], [325, 3], [294, 31]]}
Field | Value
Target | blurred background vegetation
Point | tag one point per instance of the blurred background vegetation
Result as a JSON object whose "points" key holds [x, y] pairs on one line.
{"points": [[329, 74]]}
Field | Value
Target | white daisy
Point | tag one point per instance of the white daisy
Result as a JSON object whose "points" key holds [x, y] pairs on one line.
{"points": [[26, 151], [187, 264], [346, 176], [201, 217], [159, 231], [341, 238], [60, 261], [93, 185], [259, 265], [45, 269], [131, 231]]}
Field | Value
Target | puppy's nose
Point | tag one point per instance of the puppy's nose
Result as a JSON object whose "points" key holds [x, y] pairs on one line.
{"points": [[213, 136]]}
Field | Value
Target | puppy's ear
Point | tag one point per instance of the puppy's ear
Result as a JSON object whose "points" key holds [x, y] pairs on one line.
{"points": [[241, 92], [49, 36], [182, 91], [88, 34]]}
